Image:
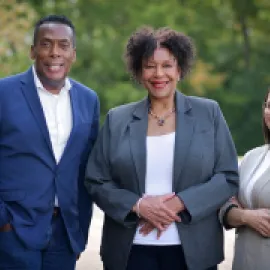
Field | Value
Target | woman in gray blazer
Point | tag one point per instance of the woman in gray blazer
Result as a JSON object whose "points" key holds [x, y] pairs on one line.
{"points": [[250, 212], [162, 167]]}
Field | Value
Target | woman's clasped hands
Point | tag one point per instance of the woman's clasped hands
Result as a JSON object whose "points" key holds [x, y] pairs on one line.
{"points": [[158, 211]]}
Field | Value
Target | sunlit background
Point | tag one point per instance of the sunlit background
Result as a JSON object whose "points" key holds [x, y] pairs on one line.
{"points": [[232, 39]]}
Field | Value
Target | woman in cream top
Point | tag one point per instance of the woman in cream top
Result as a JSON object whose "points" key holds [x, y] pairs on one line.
{"points": [[250, 212]]}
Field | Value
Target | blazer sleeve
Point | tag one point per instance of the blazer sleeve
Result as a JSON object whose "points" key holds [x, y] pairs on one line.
{"points": [[4, 215], [224, 210], [84, 200], [206, 198], [113, 200], [226, 207]]}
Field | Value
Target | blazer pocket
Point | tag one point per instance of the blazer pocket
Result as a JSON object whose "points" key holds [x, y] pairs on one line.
{"points": [[202, 129], [14, 195]]}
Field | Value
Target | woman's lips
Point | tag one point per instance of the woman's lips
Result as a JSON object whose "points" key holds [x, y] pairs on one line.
{"points": [[159, 84]]}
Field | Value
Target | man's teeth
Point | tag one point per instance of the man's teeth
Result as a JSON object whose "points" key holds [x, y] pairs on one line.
{"points": [[55, 67]]}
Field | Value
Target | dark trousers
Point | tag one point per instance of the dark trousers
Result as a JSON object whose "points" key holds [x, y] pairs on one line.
{"points": [[57, 255], [157, 258]]}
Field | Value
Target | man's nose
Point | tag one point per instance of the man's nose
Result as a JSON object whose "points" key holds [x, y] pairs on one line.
{"points": [[55, 50]]}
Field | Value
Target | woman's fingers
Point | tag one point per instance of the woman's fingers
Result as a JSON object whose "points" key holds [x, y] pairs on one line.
{"points": [[259, 220], [154, 209], [146, 228]]}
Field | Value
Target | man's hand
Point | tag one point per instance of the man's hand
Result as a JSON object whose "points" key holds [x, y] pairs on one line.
{"points": [[6, 228]]}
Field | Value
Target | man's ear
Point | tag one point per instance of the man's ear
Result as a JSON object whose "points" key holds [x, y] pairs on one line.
{"points": [[32, 52], [74, 55]]}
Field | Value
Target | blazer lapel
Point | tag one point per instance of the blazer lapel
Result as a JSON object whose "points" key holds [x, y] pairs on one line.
{"points": [[75, 119], [138, 134], [30, 93], [247, 172], [184, 134], [261, 184]]}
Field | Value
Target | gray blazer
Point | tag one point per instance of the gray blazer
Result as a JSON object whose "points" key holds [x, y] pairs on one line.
{"points": [[251, 249], [205, 175]]}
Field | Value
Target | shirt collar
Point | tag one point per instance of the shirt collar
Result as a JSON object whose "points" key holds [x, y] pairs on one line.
{"points": [[39, 86]]}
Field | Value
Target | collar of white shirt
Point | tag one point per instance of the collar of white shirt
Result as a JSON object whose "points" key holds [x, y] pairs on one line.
{"points": [[39, 85]]}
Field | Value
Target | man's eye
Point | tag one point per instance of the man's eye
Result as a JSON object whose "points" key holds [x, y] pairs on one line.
{"points": [[64, 46], [45, 44]]}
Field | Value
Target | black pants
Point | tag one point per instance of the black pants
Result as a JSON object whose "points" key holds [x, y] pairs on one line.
{"points": [[157, 258]]}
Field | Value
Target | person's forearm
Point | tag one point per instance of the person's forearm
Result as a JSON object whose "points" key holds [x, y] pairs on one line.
{"points": [[236, 217]]}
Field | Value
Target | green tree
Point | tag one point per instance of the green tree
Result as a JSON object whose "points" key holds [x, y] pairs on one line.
{"points": [[232, 51], [16, 21]]}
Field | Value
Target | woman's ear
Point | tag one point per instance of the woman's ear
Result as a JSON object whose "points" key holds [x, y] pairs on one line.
{"points": [[179, 74]]}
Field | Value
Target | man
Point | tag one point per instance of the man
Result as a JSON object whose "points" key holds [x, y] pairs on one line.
{"points": [[48, 124]]}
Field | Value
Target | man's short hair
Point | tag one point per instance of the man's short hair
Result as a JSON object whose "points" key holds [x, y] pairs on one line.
{"points": [[60, 19]]}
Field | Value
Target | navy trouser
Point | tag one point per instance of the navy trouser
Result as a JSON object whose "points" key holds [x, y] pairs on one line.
{"points": [[57, 255], [157, 258]]}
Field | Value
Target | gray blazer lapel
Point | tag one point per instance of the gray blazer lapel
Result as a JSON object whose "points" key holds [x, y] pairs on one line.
{"points": [[183, 136], [261, 184], [247, 172], [138, 133], [259, 201]]}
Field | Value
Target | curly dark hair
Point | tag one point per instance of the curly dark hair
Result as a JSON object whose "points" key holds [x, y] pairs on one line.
{"points": [[143, 42], [266, 131]]}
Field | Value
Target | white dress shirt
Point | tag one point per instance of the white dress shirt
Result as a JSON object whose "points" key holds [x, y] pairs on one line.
{"points": [[58, 115]]}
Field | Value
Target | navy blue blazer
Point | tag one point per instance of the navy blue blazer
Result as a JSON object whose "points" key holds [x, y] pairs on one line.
{"points": [[29, 175]]}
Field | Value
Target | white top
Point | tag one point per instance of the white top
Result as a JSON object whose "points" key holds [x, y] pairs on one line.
{"points": [[158, 181], [256, 176], [58, 115]]}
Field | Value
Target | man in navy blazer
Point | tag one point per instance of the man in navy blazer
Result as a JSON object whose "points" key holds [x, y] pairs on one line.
{"points": [[48, 124]]}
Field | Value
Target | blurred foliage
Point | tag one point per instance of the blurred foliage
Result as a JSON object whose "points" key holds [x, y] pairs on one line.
{"points": [[232, 49], [16, 21]]}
